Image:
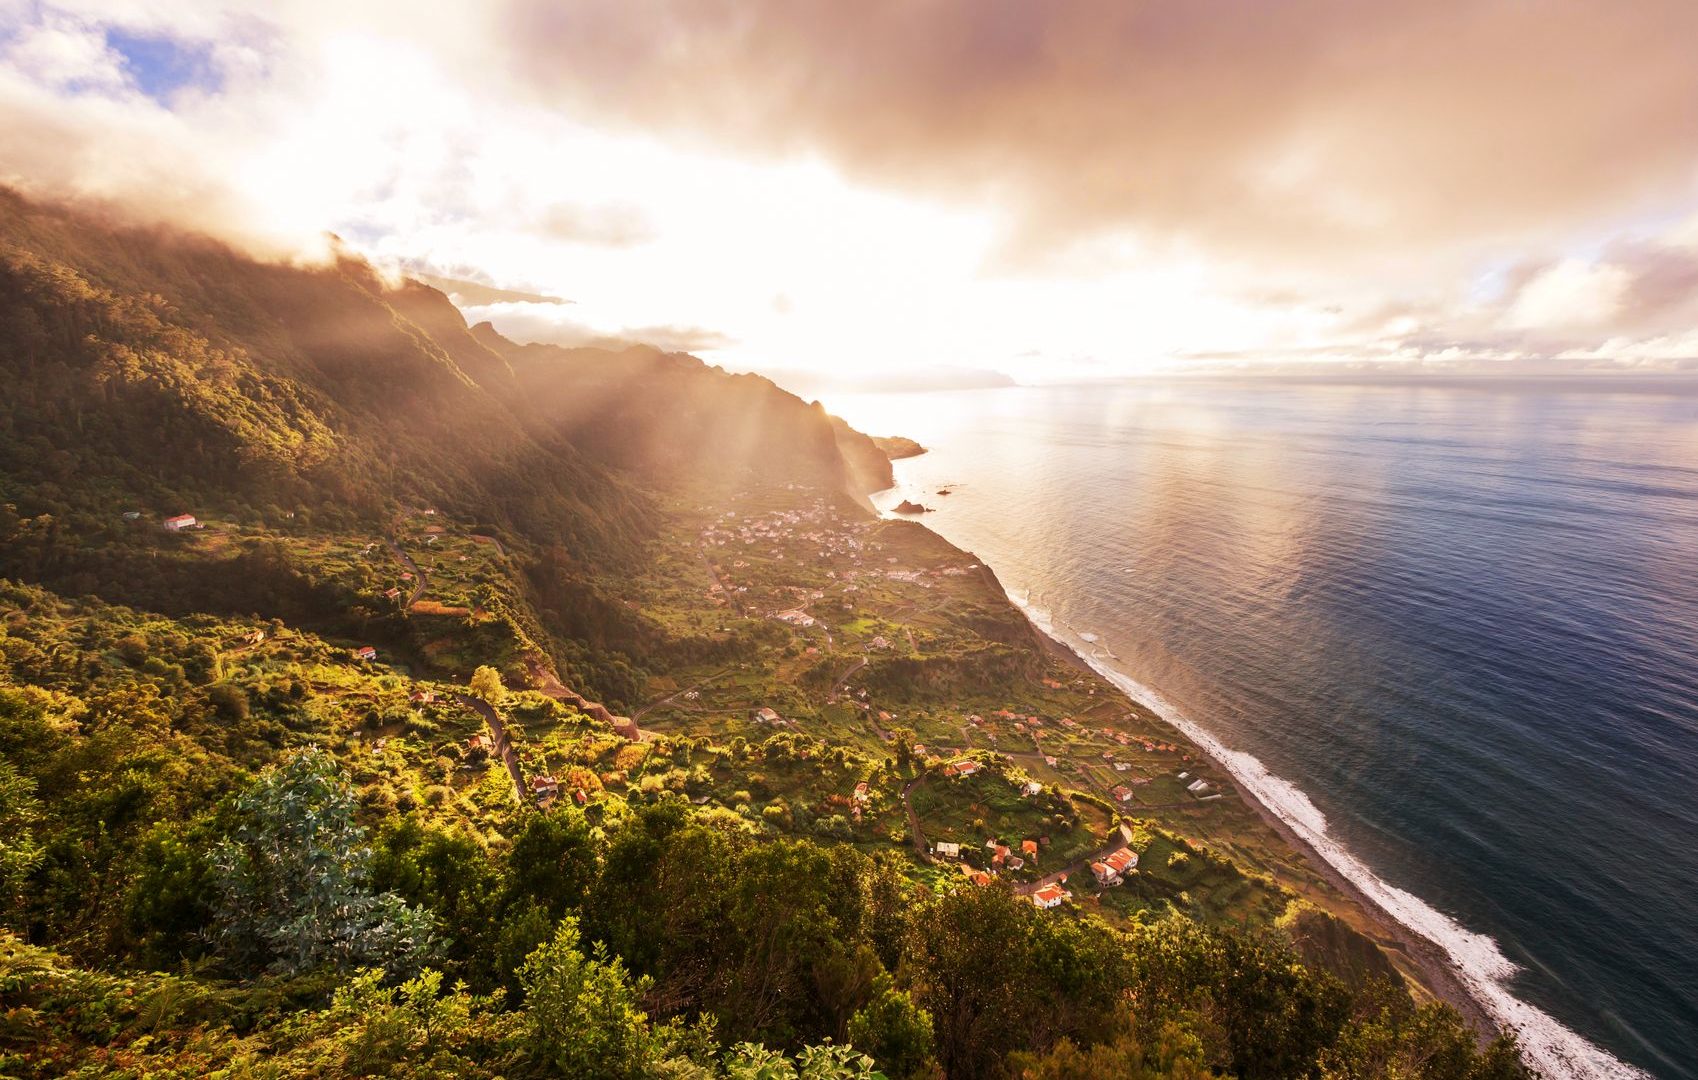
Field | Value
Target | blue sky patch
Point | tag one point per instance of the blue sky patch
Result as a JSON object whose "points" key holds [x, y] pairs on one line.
{"points": [[162, 66]]}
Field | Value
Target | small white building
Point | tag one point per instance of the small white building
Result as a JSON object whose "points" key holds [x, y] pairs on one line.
{"points": [[178, 522], [947, 850], [1050, 896]]}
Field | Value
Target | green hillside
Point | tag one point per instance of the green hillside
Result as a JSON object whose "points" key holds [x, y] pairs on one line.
{"points": [[511, 710]]}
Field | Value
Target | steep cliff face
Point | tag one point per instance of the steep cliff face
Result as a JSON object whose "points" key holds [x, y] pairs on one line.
{"points": [[669, 416], [159, 369]]}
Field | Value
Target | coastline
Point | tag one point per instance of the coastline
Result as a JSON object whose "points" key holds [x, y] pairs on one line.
{"points": [[1419, 959], [1439, 957]]}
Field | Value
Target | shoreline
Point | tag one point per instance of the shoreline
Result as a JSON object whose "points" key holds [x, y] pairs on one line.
{"points": [[1439, 958], [1417, 957]]}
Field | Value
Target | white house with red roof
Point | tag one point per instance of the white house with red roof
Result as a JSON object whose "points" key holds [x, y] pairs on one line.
{"points": [[1112, 869], [1050, 896]]}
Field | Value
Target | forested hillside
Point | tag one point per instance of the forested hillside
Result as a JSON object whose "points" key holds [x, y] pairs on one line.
{"points": [[380, 697]]}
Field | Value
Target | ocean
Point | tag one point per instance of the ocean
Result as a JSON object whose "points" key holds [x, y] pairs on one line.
{"points": [[1449, 631]]}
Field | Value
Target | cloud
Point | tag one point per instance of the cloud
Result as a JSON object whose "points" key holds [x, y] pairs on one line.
{"points": [[1309, 129], [548, 325], [610, 225]]}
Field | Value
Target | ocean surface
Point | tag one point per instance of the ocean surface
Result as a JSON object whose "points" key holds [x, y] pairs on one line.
{"points": [[1449, 632]]}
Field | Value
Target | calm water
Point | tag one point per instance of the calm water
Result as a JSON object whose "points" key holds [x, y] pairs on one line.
{"points": [[1452, 631]]}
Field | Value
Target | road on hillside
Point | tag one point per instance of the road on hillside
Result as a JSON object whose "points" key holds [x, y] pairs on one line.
{"points": [[921, 849], [503, 746], [419, 579]]}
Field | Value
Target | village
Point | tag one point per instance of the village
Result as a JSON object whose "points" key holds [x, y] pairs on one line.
{"points": [[883, 695]]}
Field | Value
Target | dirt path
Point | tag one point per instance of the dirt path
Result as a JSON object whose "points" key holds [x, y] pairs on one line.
{"points": [[675, 695], [921, 849], [503, 746], [731, 597], [546, 682], [842, 682], [419, 578]]}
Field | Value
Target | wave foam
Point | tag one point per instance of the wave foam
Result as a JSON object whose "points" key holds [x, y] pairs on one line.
{"points": [[1546, 1044]]}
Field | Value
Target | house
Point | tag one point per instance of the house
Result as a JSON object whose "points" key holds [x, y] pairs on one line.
{"points": [[393, 593], [1121, 793], [764, 715], [879, 642], [365, 652], [999, 854], [254, 637], [132, 515], [1016, 863], [957, 769], [479, 742], [1050, 896], [180, 521], [1114, 866], [545, 787], [1198, 786], [422, 697], [979, 878], [861, 792], [1030, 787], [1029, 848], [947, 850]]}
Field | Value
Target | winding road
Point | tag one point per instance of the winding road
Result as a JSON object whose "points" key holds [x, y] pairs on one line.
{"points": [[503, 746], [419, 579]]}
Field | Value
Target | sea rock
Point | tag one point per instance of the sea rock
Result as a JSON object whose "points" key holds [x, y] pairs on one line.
{"points": [[909, 506]]}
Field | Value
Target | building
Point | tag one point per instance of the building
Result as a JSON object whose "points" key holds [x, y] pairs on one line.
{"points": [[1029, 848], [1121, 793], [947, 850], [365, 652], [861, 792], [1050, 896], [1030, 787], [544, 788], [957, 769], [180, 521], [479, 742], [764, 715], [1198, 786], [132, 515], [1114, 867]]}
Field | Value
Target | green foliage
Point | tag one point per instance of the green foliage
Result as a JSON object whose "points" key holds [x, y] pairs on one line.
{"points": [[895, 1032], [20, 852], [294, 890], [486, 683], [583, 1011]]}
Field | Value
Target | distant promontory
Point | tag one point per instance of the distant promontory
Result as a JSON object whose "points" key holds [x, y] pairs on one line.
{"points": [[897, 447]]}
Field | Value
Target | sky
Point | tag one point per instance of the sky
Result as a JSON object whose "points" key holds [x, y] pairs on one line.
{"points": [[1060, 190]]}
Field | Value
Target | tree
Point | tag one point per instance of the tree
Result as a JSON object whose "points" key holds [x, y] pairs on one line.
{"points": [[293, 877], [584, 1011], [896, 1032], [553, 861], [486, 684], [19, 851]]}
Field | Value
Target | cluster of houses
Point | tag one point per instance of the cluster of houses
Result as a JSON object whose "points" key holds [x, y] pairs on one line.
{"points": [[1113, 868]]}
